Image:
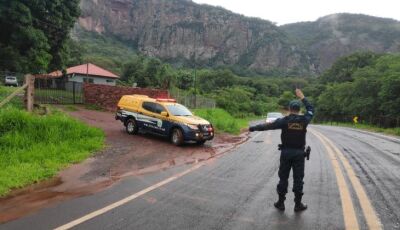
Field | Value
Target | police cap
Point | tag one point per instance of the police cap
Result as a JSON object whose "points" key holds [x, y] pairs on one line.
{"points": [[295, 105]]}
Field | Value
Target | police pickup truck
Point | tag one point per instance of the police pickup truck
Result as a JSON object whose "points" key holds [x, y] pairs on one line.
{"points": [[163, 117]]}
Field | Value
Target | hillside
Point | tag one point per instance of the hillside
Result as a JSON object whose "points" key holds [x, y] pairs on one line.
{"points": [[181, 32], [188, 34], [338, 35]]}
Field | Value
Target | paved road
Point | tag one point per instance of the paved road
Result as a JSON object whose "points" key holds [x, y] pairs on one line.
{"points": [[352, 182]]}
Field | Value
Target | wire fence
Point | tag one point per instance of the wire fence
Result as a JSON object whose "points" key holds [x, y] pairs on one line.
{"points": [[50, 90], [192, 101]]}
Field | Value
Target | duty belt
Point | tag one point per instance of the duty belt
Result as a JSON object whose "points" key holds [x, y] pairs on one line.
{"points": [[281, 146], [307, 151]]}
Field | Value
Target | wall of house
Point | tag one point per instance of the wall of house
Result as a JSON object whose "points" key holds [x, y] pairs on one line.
{"points": [[96, 80], [107, 97]]}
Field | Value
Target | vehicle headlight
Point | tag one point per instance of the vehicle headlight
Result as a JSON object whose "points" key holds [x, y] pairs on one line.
{"points": [[193, 127]]}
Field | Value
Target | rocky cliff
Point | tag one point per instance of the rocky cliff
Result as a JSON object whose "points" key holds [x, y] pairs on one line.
{"points": [[338, 35], [180, 31], [184, 32]]}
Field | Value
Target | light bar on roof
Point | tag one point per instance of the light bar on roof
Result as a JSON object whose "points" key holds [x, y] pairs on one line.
{"points": [[166, 100]]}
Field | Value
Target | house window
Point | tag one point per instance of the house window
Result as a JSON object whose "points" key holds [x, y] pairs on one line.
{"points": [[88, 80], [109, 81]]}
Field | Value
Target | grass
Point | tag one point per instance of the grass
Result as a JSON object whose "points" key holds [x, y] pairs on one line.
{"points": [[223, 121], [390, 131], [15, 102], [33, 148]]}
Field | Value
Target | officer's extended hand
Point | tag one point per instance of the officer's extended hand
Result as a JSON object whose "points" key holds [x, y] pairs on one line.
{"points": [[252, 129], [299, 94]]}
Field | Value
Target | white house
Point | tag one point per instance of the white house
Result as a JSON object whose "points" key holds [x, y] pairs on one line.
{"points": [[89, 73]]}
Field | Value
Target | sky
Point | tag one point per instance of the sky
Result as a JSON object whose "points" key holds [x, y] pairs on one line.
{"points": [[289, 11]]}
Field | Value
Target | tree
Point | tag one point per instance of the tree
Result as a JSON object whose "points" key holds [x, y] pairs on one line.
{"points": [[166, 77], [236, 100], [55, 18], [388, 67], [389, 95], [151, 70], [184, 79], [133, 72], [23, 48], [33, 33], [343, 69]]}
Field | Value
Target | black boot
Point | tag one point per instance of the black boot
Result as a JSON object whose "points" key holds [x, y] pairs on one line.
{"points": [[299, 206], [280, 204]]}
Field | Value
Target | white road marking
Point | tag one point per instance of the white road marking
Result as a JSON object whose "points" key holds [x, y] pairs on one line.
{"points": [[126, 200]]}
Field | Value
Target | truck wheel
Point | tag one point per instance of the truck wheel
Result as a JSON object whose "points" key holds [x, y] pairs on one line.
{"points": [[177, 137], [131, 126]]}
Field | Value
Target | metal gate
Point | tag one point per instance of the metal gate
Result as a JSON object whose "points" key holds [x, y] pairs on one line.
{"points": [[58, 91]]}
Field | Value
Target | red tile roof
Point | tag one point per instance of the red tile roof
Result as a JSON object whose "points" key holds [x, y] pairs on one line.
{"points": [[84, 69]]}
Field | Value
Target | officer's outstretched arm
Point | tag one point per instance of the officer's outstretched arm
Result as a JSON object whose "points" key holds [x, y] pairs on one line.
{"points": [[278, 124]]}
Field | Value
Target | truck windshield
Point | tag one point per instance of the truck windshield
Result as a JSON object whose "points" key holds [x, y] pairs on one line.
{"points": [[178, 110]]}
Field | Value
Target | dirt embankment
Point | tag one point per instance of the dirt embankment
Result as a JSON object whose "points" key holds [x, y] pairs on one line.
{"points": [[124, 155]]}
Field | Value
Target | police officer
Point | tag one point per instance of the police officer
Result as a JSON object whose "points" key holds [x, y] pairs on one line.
{"points": [[293, 137]]}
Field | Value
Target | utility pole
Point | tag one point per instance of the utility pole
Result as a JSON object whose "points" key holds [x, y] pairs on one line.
{"points": [[194, 82]]}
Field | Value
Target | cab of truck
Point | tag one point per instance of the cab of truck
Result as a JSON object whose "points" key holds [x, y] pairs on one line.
{"points": [[164, 117]]}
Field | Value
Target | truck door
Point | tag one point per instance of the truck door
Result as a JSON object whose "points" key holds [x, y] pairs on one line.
{"points": [[152, 119]]}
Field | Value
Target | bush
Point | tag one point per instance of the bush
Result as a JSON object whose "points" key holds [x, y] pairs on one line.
{"points": [[222, 120], [33, 148]]}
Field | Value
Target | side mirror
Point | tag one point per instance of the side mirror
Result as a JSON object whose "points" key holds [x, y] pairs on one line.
{"points": [[164, 114]]}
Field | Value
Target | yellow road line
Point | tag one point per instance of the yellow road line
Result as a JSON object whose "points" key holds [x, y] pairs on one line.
{"points": [[349, 215], [125, 200], [372, 219]]}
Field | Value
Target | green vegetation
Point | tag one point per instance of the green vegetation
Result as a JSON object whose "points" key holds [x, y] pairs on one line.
{"points": [[15, 102], [223, 121], [368, 91], [107, 52], [34, 34], [33, 147], [362, 84]]}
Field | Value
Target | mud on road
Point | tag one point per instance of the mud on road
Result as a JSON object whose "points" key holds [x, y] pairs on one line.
{"points": [[124, 155]]}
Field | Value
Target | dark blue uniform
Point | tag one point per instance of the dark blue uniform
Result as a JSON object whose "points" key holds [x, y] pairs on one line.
{"points": [[294, 129]]}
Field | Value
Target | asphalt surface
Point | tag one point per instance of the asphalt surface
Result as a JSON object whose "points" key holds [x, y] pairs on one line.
{"points": [[237, 190]]}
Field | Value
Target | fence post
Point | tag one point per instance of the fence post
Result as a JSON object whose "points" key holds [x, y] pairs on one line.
{"points": [[73, 92], [30, 90]]}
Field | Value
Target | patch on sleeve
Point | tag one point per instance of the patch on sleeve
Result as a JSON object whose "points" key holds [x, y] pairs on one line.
{"points": [[311, 113]]}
